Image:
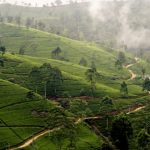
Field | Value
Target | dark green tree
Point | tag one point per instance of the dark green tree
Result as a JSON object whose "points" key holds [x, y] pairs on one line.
{"points": [[121, 131], [54, 82], [2, 62], [55, 53], [48, 77], [146, 85], [35, 77], [91, 75], [107, 101], [124, 89], [2, 49]]}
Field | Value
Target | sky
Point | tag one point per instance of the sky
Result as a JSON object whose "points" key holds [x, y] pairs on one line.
{"points": [[33, 2], [41, 2]]}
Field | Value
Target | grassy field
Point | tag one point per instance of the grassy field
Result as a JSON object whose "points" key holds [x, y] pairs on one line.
{"points": [[109, 83], [17, 68], [13, 37], [86, 139], [18, 114], [18, 120]]}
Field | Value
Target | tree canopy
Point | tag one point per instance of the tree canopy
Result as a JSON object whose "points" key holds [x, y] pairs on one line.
{"points": [[121, 131], [146, 84]]}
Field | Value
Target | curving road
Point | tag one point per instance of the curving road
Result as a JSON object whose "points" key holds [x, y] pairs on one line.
{"points": [[133, 75], [30, 140]]}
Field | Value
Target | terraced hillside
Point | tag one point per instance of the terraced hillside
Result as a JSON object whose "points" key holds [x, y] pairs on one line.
{"points": [[14, 37], [24, 115], [110, 77], [17, 121]]}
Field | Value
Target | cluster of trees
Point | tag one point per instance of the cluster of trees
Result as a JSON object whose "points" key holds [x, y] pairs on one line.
{"points": [[29, 22], [121, 132], [48, 78], [58, 119]]}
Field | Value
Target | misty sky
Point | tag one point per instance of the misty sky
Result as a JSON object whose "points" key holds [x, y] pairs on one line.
{"points": [[33, 2], [41, 2]]}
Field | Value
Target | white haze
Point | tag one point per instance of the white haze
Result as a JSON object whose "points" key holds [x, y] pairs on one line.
{"points": [[37, 2], [102, 11]]}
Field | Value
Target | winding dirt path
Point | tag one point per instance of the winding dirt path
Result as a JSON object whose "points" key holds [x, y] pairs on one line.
{"points": [[33, 138], [30, 140], [133, 75], [130, 110], [137, 109]]}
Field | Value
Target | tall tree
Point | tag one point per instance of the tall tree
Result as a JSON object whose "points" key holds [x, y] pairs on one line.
{"points": [[91, 75], [2, 49], [48, 77], [124, 89], [146, 85], [35, 77], [54, 82], [121, 131], [2, 62], [55, 53]]}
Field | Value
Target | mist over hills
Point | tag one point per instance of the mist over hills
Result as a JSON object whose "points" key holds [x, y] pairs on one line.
{"points": [[117, 24]]}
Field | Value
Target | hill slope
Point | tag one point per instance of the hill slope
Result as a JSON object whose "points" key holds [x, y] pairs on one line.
{"points": [[14, 37]]}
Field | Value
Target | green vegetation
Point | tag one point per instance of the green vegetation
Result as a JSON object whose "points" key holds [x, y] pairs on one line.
{"points": [[46, 85]]}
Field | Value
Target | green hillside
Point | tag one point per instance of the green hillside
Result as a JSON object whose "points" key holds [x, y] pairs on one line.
{"points": [[17, 122], [24, 114], [22, 118], [14, 37], [17, 70]]}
